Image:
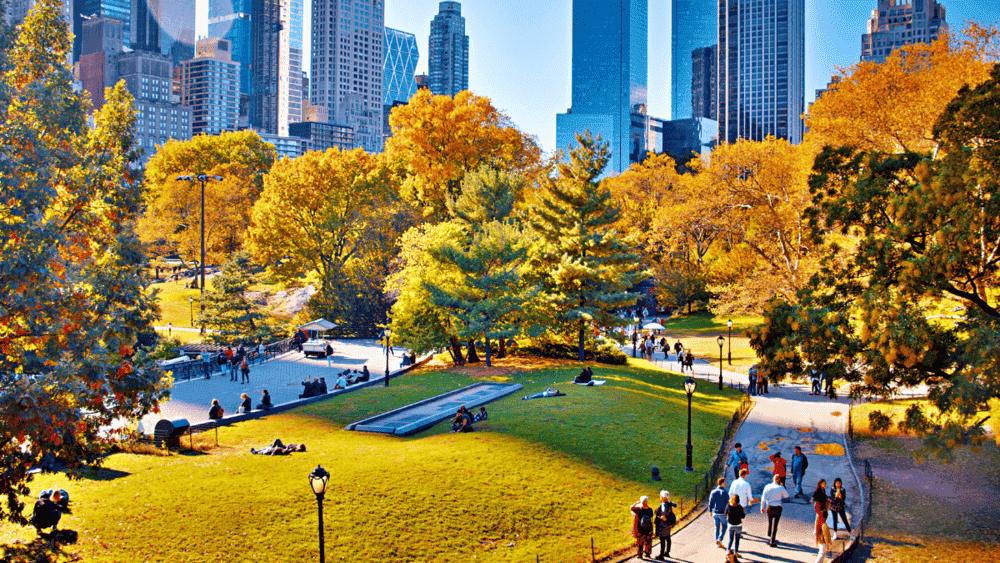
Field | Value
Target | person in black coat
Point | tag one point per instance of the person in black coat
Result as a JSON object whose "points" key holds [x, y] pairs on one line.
{"points": [[838, 504], [265, 401], [47, 512], [216, 412], [665, 520]]}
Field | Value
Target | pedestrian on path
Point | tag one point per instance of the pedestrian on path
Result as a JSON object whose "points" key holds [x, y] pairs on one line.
{"points": [[780, 467], [838, 502], [770, 504], [642, 526], [245, 370], [823, 539], [737, 459], [260, 352], [741, 488], [735, 515], [752, 387], [799, 465], [329, 355], [717, 501], [665, 520]]}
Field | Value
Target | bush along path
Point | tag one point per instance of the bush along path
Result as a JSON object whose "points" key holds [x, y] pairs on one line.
{"points": [[786, 417]]}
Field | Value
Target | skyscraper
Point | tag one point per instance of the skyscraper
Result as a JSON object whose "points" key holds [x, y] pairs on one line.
{"points": [[163, 26], [695, 25], [120, 10], [448, 55], [897, 22], [347, 65], [148, 77], [609, 77], [704, 80], [210, 87], [276, 59], [398, 72], [761, 69], [230, 20], [101, 44]]}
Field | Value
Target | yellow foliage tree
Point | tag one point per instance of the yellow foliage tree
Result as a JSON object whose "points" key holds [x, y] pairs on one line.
{"points": [[436, 140], [892, 106]]}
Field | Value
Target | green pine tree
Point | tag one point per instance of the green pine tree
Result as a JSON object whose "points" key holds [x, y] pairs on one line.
{"points": [[227, 308], [584, 267]]}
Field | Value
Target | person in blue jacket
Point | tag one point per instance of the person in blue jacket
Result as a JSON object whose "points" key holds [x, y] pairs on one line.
{"points": [[799, 465], [717, 501], [736, 458]]}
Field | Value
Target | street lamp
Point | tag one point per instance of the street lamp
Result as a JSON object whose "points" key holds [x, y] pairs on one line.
{"points": [[730, 323], [635, 334], [318, 480], [388, 334], [689, 388], [201, 178], [191, 308], [721, 340], [170, 329]]}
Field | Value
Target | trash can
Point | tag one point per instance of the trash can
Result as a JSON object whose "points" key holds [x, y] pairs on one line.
{"points": [[169, 432]]}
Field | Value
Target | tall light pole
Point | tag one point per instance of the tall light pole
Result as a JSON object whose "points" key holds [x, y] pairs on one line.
{"points": [[201, 178], [689, 388], [318, 480], [721, 341], [730, 323], [387, 333], [191, 308]]}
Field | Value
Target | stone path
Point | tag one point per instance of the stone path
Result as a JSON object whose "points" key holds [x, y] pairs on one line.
{"points": [[786, 417]]}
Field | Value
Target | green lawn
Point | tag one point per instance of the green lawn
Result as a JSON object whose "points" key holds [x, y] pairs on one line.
{"points": [[174, 305], [541, 477]]}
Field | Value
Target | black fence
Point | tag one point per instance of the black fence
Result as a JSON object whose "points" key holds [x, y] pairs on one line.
{"points": [[201, 369]]}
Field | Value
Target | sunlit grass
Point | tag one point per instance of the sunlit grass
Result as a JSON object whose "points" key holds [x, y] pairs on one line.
{"points": [[578, 461]]}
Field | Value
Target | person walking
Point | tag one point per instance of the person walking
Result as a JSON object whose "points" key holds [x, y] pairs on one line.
{"points": [[737, 459], [642, 526], [233, 367], [735, 515], [752, 387], [665, 520], [838, 504], [741, 488], [329, 355], [799, 465], [260, 351], [780, 466], [245, 370], [770, 504], [689, 361], [717, 501], [820, 505]]}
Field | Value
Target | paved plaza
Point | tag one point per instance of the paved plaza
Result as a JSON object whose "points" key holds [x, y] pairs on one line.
{"points": [[282, 376]]}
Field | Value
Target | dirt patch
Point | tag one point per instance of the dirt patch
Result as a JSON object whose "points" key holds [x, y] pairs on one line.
{"points": [[829, 449]]}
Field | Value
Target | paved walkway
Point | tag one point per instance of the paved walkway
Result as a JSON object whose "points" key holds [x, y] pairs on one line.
{"points": [[786, 417], [281, 376]]}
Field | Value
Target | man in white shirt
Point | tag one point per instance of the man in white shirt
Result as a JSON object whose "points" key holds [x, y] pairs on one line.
{"points": [[742, 488], [770, 504]]}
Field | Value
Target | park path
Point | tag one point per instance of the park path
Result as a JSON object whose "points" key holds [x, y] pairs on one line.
{"points": [[784, 418]]}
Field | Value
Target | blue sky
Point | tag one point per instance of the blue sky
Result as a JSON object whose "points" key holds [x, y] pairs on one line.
{"points": [[520, 51]]}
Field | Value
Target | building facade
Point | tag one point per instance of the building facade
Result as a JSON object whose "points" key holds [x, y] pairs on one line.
{"points": [[101, 44], [704, 81], [347, 64], [322, 136], [609, 77], [399, 73], [901, 22], [210, 87], [163, 26], [120, 10], [695, 26], [448, 52], [276, 71], [761, 69], [230, 20], [149, 77]]}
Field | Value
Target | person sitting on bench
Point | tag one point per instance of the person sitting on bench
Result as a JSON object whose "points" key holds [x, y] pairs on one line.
{"points": [[309, 389], [481, 415], [48, 510], [585, 376], [277, 448], [265, 401], [321, 388], [341, 382]]}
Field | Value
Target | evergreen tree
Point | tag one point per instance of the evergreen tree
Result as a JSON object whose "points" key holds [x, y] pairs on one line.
{"points": [[584, 267], [227, 308]]}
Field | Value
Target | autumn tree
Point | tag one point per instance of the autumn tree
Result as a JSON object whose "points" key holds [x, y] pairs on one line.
{"points": [[319, 216], [644, 193], [229, 310], [928, 236], [172, 220], [72, 296], [436, 140], [584, 268]]}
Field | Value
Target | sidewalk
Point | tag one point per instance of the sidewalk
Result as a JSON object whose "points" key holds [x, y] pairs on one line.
{"points": [[786, 417]]}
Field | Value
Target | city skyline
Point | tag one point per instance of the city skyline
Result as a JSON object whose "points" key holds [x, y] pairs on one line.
{"points": [[508, 44]]}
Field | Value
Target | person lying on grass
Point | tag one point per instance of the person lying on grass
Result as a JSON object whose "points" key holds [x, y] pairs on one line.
{"points": [[277, 448]]}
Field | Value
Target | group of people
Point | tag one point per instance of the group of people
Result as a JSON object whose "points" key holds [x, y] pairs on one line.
{"points": [[277, 448], [216, 412], [817, 379], [313, 388], [463, 419], [647, 523], [758, 381], [237, 362]]}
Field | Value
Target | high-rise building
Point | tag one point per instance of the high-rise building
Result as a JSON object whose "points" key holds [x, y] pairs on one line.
{"points": [[347, 65], [230, 20], [17, 10], [609, 78], [163, 26], [210, 87], [695, 25], [761, 69], [276, 59], [901, 22], [399, 72], [322, 136], [448, 55], [704, 80], [149, 78], [120, 10], [101, 44]]}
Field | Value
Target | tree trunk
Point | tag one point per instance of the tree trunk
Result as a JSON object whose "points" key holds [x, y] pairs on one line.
{"points": [[472, 357], [581, 340], [489, 364], [502, 352], [456, 351]]}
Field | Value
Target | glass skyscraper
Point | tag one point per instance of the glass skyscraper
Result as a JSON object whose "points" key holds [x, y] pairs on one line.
{"points": [[609, 77], [401, 55], [120, 10], [695, 25], [163, 26], [448, 53], [230, 20], [761, 69]]}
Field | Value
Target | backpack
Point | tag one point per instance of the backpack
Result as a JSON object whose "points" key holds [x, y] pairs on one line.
{"points": [[645, 521], [671, 518], [744, 465]]}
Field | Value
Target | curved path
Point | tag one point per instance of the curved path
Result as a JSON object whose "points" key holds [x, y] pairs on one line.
{"points": [[786, 417]]}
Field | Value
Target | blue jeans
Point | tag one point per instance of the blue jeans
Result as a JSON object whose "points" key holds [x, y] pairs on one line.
{"points": [[797, 477], [734, 534], [720, 526]]}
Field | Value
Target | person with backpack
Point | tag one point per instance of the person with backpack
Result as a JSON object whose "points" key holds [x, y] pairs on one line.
{"points": [[216, 412], [642, 526], [737, 459], [245, 370], [665, 521], [689, 361], [799, 465]]}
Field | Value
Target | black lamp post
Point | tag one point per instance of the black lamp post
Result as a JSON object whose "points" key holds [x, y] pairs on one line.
{"points": [[721, 340], [635, 333], [689, 388], [388, 334], [191, 309], [318, 480], [201, 265], [730, 323]]}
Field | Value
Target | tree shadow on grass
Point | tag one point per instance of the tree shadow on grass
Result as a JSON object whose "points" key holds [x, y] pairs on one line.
{"points": [[867, 545], [104, 474], [39, 550]]}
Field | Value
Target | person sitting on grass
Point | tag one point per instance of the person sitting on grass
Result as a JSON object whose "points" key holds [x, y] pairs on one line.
{"points": [[265, 401], [585, 376], [277, 448], [481, 415], [462, 421]]}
